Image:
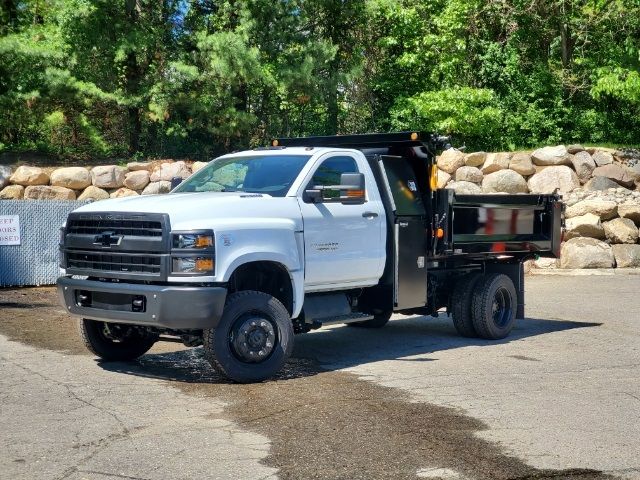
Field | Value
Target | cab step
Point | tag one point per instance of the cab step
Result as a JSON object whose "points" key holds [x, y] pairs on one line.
{"points": [[348, 318]]}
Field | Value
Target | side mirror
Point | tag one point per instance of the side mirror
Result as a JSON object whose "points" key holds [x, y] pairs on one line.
{"points": [[175, 181], [350, 191], [352, 188]]}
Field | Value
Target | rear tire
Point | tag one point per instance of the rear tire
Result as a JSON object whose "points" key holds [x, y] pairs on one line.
{"points": [[494, 306], [253, 339], [461, 304], [113, 341], [378, 321]]}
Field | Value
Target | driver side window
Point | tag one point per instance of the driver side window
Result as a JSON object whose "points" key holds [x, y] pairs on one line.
{"points": [[329, 171]]}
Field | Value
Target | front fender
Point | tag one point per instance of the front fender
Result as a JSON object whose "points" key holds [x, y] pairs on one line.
{"points": [[279, 246]]}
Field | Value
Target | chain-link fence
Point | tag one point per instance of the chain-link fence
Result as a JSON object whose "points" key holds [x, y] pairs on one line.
{"points": [[34, 261]]}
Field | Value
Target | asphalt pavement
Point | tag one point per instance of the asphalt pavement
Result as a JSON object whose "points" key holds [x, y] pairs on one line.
{"points": [[560, 398]]}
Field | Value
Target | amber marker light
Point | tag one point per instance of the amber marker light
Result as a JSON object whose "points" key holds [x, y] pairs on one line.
{"points": [[355, 193], [433, 178], [204, 264], [204, 241], [274, 143], [440, 233], [414, 136]]}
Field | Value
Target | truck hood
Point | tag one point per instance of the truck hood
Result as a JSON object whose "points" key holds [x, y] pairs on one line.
{"points": [[189, 211]]}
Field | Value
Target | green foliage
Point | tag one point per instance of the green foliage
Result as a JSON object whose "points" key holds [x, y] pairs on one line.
{"points": [[471, 113], [81, 78]]}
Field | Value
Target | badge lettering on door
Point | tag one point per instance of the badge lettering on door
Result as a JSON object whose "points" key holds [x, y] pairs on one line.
{"points": [[325, 247]]}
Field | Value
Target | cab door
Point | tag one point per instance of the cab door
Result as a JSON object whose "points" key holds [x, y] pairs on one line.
{"points": [[344, 243]]}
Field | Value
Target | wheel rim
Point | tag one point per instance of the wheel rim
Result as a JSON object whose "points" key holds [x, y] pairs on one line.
{"points": [[501, 308], [253, 338]]}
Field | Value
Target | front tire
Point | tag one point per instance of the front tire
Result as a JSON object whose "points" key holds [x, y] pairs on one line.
{"points": [[113, 341], [494, 306], [253, 339]]}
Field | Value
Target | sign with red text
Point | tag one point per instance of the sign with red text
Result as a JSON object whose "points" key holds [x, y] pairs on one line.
{"points": [[9, 230]]}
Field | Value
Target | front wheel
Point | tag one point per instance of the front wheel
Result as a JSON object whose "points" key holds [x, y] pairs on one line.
{"points": [[494, 306], [253, 338], [115, 341]]}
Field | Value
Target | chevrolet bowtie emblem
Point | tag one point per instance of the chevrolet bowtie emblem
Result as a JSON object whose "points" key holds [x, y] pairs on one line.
{"points": [[107, 239]]}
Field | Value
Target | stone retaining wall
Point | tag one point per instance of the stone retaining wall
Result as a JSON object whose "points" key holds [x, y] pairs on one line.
{"points": [[601, 187], [97, 183]]}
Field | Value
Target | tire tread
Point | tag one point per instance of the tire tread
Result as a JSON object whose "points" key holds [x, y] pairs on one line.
{"points": [[462, 298]]}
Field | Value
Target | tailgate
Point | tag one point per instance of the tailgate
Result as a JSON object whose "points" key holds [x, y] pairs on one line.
{"points": [[509, 224]]}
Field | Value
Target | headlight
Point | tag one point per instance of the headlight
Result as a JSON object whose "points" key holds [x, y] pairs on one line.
{"points": [[197, 265], [192, 240]]}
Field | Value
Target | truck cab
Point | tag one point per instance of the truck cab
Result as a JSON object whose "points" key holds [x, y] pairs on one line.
{"points": [[262, 244]]}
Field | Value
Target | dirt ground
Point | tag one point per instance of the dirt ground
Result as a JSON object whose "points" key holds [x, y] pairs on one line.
{"points": [[322, 424]]}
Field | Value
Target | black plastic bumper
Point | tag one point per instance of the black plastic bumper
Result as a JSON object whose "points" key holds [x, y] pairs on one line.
{"points": [[173, 307]]}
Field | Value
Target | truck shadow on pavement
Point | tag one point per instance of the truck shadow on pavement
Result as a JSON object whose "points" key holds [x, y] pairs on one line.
{"points": [[404, 339], [327, 424]]}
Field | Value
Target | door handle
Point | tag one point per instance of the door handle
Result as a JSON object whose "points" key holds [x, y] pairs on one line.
{"points": [[369, 214]]}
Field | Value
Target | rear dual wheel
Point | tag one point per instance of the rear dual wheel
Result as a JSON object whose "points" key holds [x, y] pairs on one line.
{"points": [[484, 306]]}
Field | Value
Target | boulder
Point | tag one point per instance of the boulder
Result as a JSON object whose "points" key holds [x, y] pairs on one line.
{"points": [[627, 256], [495, 162], [443, 178], [166, 171], [93, 193], [560, 178], [599, 184], [464, 188], [450, 160], [633, 171], [44, 192], [26, 176], [583, 252], [605, 209], [157, 187], [616, 173], [108, 176], [475, 159], [12, 192], [504, 181], [123, 192], [198, 166], [588, 225], [521, 163], [621, 230], [468, 174], [583, 164], [136, 180], [630, 211], [602, 158], [137, 166], [575, 148], [551, 156], [5, 174], [593, 150], [75, 178]]}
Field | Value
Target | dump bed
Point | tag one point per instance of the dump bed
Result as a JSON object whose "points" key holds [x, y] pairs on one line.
{"points": [[515, 225]]}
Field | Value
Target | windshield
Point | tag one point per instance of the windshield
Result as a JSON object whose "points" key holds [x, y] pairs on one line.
{"points": [[270, 174]]}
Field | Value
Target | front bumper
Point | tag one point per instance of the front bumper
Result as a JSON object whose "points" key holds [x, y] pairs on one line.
{"points": [[172, 307]]}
